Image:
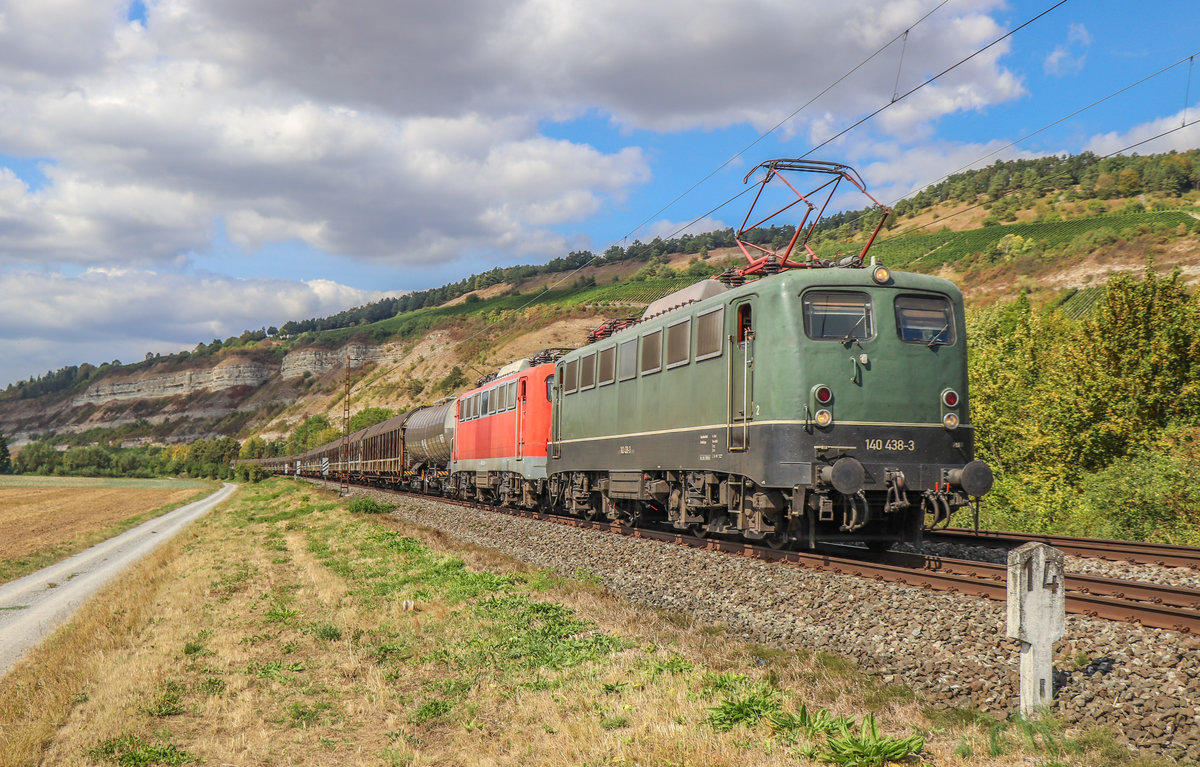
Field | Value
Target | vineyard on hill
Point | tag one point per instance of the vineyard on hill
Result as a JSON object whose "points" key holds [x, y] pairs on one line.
{"points": [[927, 252]]}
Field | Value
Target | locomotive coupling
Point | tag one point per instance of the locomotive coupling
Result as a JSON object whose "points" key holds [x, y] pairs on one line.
{"points": [[846, 475], [975, 478]]}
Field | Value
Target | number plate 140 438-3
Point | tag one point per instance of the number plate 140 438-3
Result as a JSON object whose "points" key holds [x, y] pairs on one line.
{"points": [[907, 445]]}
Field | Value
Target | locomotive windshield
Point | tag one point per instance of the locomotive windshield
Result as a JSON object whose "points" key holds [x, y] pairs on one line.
{"points": [[838, 315], [924, 320]]}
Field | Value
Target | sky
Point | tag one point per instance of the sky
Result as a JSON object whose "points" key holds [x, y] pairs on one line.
{"points": [[174, 171]]}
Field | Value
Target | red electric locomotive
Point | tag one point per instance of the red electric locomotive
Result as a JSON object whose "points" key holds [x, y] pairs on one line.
{"points": [[500, 438]]}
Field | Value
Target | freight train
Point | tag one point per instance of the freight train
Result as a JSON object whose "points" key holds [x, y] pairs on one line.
{"points": [[794, 403]]}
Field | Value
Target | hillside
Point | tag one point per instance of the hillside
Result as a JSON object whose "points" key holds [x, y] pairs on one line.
{"points": [[997, 232]]}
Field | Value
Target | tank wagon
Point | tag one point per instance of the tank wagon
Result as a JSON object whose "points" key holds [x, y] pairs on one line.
{"points": [[791, 401]]}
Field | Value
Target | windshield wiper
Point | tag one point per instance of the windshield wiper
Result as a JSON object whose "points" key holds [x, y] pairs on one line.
{"points": [[936, 339], [850, 333]]}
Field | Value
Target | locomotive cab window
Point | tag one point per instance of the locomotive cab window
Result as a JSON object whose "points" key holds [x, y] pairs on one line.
{"points": [[628, 359], [838, 315], [652, 352], [570, 376], [745, 322], [679, 341], [925, 320], [606, 366], [709, 328], [587, 371], [512, 394], [550, 388]]}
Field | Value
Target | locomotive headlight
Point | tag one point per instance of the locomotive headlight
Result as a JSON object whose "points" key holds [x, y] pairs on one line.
{"points": [[824, 417], [950, 398], [881, 274], [950, 421]]}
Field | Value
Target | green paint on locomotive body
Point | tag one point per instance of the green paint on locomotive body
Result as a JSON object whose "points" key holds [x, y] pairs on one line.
{"points": [[900, 383]]}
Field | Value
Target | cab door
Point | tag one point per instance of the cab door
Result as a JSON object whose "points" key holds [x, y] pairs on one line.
{"points": [[741, 375], [521, 415]]}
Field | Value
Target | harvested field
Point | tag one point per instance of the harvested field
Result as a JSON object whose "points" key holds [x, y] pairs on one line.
{"points": [[44, 519]]}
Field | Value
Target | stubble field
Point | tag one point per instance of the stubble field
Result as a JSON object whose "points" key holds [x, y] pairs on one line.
{"points": [[44, 519]]}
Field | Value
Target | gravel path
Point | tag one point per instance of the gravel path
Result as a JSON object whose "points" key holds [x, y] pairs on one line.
{"points": [[1143, 683], [33, 606]]}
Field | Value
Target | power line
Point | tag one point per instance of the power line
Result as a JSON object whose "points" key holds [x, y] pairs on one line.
{"points": [[951, 68], [1031, 134], [1061, 174], [782, 122]]}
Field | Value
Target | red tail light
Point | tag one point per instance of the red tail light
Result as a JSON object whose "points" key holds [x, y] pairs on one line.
{"points": [[950, 398], [824, 395]]}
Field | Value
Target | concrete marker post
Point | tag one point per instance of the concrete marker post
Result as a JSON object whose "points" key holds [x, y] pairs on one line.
{"points": [[1037, 615]]}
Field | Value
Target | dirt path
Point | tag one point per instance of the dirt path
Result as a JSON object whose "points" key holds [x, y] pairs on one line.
{"points": [[33, 606]]}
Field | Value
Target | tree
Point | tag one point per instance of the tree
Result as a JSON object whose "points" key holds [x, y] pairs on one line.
{"points": [[369, 417], [5, 458], [255, 447], [304, 436], [453, 380], [37, 458]]}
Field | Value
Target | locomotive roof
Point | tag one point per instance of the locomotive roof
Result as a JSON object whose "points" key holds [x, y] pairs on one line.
{"points": [[791, 280], [505, 377]]}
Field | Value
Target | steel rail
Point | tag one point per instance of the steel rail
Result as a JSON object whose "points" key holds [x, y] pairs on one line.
{"points": [[1161, 554], [1151, 605]]}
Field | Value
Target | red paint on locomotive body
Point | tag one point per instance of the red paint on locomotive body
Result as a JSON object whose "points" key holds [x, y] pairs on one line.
{"points": [[504, 425]]}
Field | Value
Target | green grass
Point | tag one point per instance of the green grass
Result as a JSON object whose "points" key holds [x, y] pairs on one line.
{"points": [[760, 701], [132, 751]]}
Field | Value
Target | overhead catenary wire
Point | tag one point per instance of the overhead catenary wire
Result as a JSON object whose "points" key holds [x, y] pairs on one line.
{"points": [[783, 122], [1052, 177], [944, 72], [1187, 92], [1031, 134]]}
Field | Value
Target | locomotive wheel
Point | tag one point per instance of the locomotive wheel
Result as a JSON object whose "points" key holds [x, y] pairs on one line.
{"points": [[777, 540], [700, 530]]}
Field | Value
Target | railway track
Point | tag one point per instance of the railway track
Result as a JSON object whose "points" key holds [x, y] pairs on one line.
{"points": [[1151, 605], [1161, 554]]}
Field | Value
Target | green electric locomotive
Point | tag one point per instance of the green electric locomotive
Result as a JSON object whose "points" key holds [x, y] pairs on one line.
{"points": [[817, 403]]}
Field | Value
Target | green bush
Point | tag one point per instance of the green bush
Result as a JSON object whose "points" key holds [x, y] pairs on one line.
{"points": [[370, 506], [250, 472]]}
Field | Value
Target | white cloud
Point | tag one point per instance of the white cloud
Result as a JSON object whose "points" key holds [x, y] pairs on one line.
{"points": [[50, 319], [1177, 140], [410, 131], [898, 171], [1065, 59]]}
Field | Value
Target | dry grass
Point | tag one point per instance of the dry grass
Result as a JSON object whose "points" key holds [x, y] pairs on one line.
{"points": [[275, 632], [44, 519]]}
